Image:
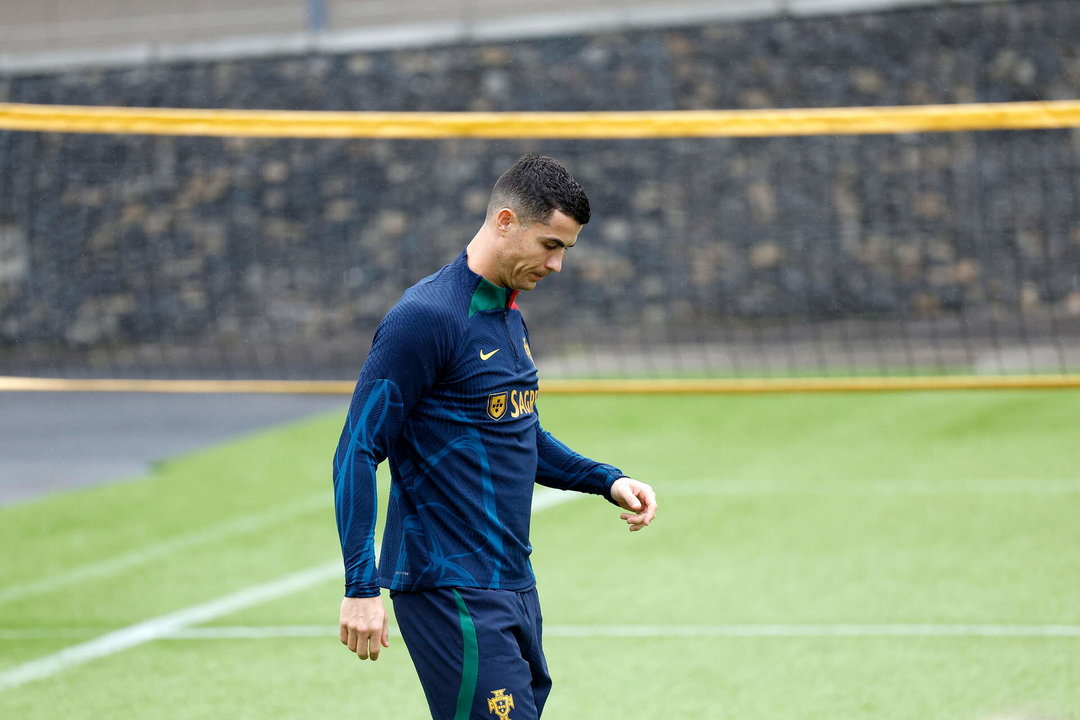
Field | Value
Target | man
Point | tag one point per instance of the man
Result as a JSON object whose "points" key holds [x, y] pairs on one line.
{"points": [[448, 393]]}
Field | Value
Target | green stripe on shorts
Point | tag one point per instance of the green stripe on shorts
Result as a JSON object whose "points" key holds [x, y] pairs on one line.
{"points": [[470, 662]]}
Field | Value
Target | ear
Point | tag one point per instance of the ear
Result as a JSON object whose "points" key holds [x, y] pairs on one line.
{"points": [[505, 219]]}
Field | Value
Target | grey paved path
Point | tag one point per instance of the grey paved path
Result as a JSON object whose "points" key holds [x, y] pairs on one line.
{"points": [[54, 441]]}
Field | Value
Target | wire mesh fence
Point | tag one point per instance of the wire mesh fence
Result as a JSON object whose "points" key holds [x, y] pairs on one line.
{"points": [[137, 256]]}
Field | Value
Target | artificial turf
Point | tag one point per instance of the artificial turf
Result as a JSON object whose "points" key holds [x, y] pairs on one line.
{"points": [[779, 514]]}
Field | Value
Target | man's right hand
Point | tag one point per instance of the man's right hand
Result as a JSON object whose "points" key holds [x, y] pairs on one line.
{"points": [[364, 626]]}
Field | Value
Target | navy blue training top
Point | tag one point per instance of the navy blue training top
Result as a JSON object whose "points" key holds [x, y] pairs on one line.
{"points": [[448, 394]]}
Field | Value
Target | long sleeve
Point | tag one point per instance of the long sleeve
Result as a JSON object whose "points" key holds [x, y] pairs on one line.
{"points": [[409, 348], [560, 467], [373, 422]]}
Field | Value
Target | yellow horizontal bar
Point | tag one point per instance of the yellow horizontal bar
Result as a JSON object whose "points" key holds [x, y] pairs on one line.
{"points": [[273, 387], [805, 385], [567, 387], [582, 125]]}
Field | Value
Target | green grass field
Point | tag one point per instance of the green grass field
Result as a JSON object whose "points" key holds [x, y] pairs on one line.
{"points": [[885, 556]]}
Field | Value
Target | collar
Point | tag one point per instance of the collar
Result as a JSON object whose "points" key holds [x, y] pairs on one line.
{"points": [[487, 295]]}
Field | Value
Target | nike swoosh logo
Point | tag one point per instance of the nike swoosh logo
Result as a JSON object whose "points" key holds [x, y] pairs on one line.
{"points": [[485, 356]]}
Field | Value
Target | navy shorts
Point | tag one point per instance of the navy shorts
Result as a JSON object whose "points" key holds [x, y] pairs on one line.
{"points": [[477, 652]]}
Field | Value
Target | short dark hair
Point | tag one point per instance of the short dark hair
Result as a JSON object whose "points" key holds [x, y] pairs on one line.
{"points": [[536, 186]]}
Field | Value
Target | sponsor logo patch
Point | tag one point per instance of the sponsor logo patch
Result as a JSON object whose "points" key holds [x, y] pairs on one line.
{"points": [[522, 402], [496, 406], [517, 402]]}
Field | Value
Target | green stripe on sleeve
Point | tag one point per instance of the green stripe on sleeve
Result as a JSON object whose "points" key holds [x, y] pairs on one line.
{"points": [[470, 662]]}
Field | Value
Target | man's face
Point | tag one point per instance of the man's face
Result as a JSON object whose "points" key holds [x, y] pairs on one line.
{"points": [[531, 252]]}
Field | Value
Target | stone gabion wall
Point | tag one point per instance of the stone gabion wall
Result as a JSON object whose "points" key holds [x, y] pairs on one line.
{"points": [[254, 256]]}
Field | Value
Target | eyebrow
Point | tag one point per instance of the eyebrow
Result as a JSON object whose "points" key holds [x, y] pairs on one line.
{"points": [[557, 240]]}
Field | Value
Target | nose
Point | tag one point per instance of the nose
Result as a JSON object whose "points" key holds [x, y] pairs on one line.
{"points": [[554, 263]]}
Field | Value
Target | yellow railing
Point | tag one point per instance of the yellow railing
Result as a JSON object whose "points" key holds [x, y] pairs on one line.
{"points": [[581, 125], [568, 387]]}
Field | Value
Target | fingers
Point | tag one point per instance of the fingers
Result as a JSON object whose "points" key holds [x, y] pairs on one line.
{"points": [[364, 627], [373, 645], [644, 504], [349, 637], [649, 512], [365, 643], [636, 522]]}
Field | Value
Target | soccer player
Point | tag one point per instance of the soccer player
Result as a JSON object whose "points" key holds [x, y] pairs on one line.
{"points": [[448, 394]]}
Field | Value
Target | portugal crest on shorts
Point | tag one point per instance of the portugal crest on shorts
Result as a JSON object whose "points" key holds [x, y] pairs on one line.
{"points": [[500, 705], [496, 406]]}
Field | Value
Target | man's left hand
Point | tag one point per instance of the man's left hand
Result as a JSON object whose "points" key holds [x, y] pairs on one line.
{"points": [[638, 498]]}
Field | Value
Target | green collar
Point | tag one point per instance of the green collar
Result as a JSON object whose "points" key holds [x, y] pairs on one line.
{"points": [[488, 296]]}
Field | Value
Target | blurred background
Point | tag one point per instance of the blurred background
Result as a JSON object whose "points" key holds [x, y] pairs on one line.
{"points": [[119, 25]]}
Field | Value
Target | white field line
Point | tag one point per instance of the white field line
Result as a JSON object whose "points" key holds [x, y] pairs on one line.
{"points": [[278, 632], [156, 551], [813, 631], [171, 623], [681, 631], [155, 628], [870, 487], [49, 633]]}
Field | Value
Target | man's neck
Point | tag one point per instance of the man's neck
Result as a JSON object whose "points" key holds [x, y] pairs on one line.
{"points": [[479, 259]]}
